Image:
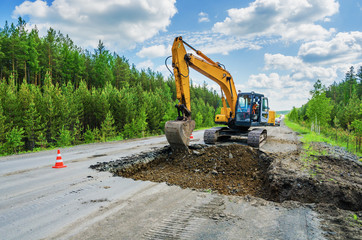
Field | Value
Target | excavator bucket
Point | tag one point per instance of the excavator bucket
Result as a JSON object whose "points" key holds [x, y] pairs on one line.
{"points": [[178, 134]]}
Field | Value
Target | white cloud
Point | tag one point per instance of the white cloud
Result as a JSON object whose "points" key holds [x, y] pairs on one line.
{"points": [[203, 17], [264, 81], [38, 9], [212, 43], [291, 20], [145, 64], [344, 47], [226, 45], [164, 71], [299, 70], [306, 31], [283, 92], [155, 51], [292, 78], [118, 23], [280, 61]]}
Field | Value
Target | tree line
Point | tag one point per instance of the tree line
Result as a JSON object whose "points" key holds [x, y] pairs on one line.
{"points": [[335, 110], [53, 93]]}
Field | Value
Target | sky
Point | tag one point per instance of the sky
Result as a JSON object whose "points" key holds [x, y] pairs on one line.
{"points": [[279, 48]]}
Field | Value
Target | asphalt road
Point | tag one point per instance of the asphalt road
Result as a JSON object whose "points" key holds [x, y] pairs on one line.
{"points": [[37, 200], [40, 202]]}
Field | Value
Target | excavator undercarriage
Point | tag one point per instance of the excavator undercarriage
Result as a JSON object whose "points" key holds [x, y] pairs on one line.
{"points": [[255, 137]]}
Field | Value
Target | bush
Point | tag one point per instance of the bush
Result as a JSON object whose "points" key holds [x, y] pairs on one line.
{"points": [[89, 136], [65, 138], [14, 139]]}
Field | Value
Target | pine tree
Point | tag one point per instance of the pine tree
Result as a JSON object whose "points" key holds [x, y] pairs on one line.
{"points": [[142, 123], [49, 51], [357, 126], [101, 72], [34, 126], [14, 139], [2, 129], [65, 137], [14, 43], [319, 109], [22, 54], [100, 107], [121, 71], [33, 45], [108, 129], [293, 115], [77, 132], [199, 120], [359, 86], [2, 56], [352, 108], [89, 136], [42, 140], [48, 109], [8, 96]]}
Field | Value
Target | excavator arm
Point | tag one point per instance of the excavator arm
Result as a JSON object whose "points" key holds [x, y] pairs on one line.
{"points": [[178, 132], [181, 61]]}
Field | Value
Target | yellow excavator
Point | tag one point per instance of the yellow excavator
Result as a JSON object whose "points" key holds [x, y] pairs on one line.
{"points": [[240, 111]]}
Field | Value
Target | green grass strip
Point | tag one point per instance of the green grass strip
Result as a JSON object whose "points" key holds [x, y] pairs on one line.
{"points": [[309, 136]]}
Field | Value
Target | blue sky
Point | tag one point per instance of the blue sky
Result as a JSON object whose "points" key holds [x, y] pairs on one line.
{"points": [[276, 47]]}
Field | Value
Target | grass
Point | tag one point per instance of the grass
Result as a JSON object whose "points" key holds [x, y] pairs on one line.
{"points": [[355, 220], [309, 136], [309, 159]]}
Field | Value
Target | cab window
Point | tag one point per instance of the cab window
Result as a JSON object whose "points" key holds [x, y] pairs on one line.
{"points": [[265, 105], [243, 103]]}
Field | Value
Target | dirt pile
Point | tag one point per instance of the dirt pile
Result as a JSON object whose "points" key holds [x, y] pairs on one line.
{"points": [[233, 169]]}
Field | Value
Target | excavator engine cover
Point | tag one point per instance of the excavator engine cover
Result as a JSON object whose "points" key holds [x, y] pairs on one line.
{"points": [[178, 134]]}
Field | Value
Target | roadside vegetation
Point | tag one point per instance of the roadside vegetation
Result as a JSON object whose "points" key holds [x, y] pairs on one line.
{"points": [[333, 114], [53, 93]]}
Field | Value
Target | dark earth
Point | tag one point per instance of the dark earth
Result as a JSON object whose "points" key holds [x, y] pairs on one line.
{"points": [[327, 177]]}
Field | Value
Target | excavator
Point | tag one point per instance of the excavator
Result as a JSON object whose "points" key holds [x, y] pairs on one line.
{"points": [[240, 110]]}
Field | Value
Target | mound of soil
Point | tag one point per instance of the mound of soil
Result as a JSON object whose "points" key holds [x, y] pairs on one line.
{"points": [[232, 169]]}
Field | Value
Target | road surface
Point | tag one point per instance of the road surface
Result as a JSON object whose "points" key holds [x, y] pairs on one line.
{"points": [[76, 202]]}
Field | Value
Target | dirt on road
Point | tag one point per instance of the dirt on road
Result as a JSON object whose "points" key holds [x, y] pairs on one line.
{"points": [[231, 170], [327, 177]]}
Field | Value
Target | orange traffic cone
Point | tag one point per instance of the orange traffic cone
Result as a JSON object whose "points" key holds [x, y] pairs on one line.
{"points": [[59, 161], [191, 137]]}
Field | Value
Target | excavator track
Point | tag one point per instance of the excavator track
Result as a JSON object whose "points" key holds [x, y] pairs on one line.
{"points": [[257, 137], [211, 135]]}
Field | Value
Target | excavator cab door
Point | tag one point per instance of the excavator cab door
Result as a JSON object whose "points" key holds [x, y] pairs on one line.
{"points": [[264, 110]]}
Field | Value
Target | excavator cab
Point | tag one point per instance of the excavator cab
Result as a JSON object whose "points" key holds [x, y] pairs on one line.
{"points": [[252, 109]]}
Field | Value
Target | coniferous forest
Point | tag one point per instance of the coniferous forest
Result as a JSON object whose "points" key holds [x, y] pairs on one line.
{"points": [[54, 93]]}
